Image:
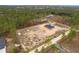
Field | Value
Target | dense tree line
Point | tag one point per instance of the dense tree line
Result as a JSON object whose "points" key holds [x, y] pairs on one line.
{"points": [[10, 19], [13, 18]]}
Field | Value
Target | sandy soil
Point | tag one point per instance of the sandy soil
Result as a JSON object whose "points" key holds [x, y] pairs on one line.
{"points": [[32, 36], [72, 46]]}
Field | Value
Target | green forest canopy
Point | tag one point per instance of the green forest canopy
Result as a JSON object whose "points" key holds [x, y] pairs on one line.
{"points": [[10, 19]]}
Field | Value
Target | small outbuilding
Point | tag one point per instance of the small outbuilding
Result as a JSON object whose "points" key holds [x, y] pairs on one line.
{"points": [[49, 25]]}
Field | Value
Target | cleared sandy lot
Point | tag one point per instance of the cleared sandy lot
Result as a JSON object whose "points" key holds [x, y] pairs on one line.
{"points": [[33, 36]]}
